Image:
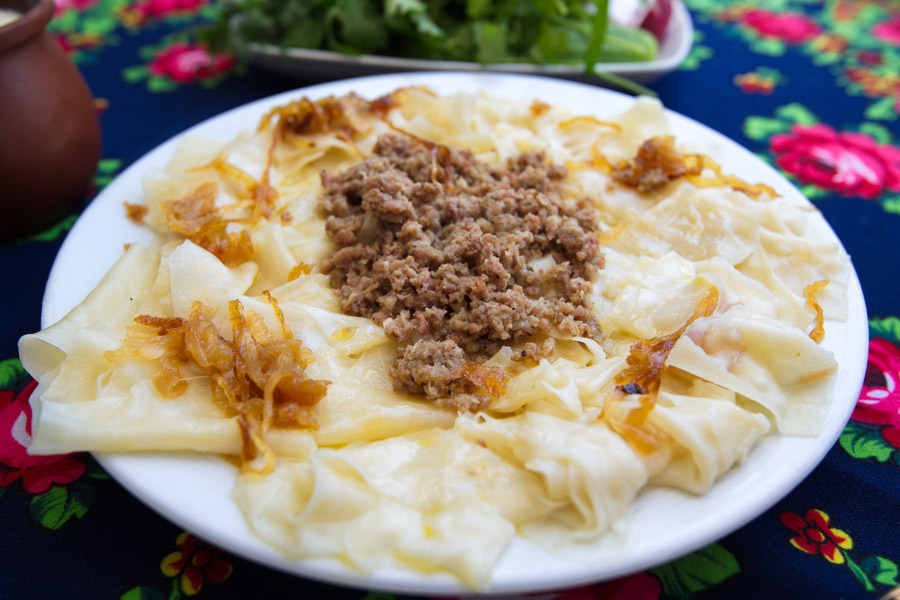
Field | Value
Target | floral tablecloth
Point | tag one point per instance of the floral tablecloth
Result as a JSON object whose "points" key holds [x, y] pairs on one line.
{"points": [[811, 86]]}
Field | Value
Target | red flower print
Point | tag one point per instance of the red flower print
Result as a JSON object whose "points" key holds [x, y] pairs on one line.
{"points": [[72, 43], [183, 63], [37, 473], [793, 28], [851, 164], [816, 536], [639, 586], [869, 57], [874, 84], [145, 10], [879, 400], [754, 83], [888, 31], [196, 562]]}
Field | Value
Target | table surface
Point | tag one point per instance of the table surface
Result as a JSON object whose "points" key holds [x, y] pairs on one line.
{"points": [[823, 76]]}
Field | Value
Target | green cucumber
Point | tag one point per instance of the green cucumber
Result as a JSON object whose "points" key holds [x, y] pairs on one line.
{"points": [[623, 44]]}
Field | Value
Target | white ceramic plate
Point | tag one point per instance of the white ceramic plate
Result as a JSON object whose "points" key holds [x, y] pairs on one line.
{"points": [[302, 62], [193, 491]]}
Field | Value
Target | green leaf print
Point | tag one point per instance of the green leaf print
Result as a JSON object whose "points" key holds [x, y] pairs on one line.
{"points": [[54, 231], [887, 328], [825, 58], [697, 55], [148, 52], [761, 128], [769, 47], [65, 20], [859, 572], [704, 5], [212, 81], [99, 24], [697, 572], [106, 171], [160, 84], [797, 113], [862, 443], [54, 508], [108, 165], [175, 590], [812, 191], [12, 375], [883, 110], [891, 204], [95, 471], [879, 133], [133, 74], [881, 569], [143, 592]]}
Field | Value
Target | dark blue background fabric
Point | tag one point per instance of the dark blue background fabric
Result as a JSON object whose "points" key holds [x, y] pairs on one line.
{"points": [[108, 545]]}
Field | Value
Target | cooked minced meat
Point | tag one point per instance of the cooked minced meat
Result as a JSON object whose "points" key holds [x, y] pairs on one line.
{"points": [[533, 353], [433, 367], [456, 258]]}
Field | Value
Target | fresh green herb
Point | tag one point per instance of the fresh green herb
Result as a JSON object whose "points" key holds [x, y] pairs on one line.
{"points": [[598, 33], [569, 32]]}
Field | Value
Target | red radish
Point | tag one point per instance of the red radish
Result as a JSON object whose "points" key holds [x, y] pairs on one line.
{"points": [[658, 18]]}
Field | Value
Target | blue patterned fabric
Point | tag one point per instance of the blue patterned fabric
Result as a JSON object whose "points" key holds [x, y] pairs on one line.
{"points": [[785, 78]]}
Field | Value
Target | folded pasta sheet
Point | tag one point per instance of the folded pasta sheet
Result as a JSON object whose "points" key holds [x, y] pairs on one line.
{"points": [[424, 325]]}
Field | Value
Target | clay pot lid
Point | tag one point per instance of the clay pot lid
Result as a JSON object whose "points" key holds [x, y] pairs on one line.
{"points": [[35, 16]]}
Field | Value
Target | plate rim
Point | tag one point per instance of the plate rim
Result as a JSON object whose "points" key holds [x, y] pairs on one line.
{"points": [[389, 581]]}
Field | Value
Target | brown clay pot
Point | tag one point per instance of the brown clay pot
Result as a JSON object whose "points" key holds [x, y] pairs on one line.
{"points": [[49, 130]]}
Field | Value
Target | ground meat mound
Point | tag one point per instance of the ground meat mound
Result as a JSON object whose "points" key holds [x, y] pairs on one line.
{"points": [[455, 258]]}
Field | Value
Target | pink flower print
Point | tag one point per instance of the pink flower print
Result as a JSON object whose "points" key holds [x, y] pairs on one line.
{"points": [[184, 63], [793, 28], [879, 400], [145, 10], [37, 473], [851, 164], [888, 31]]}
